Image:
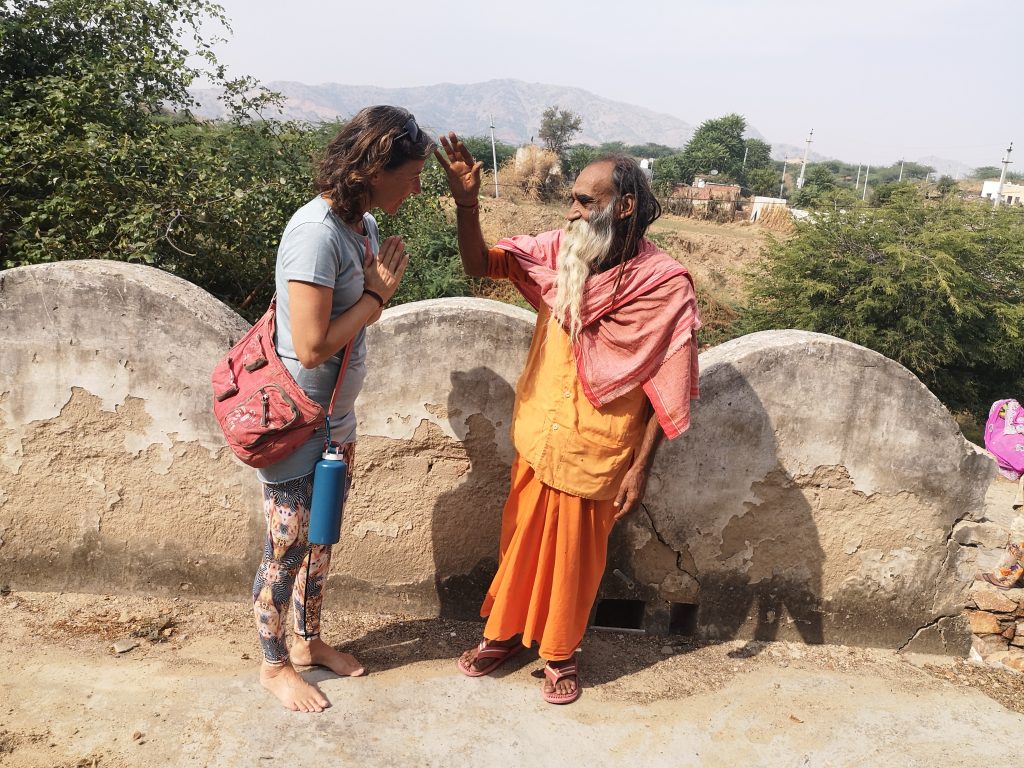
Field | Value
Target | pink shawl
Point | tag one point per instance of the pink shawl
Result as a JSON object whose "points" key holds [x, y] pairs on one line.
{"points": [[631, 336]]}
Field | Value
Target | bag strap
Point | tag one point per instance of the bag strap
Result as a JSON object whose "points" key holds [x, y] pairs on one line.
{"points": [[341, 376]]}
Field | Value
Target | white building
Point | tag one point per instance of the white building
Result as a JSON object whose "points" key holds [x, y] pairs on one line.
{"points": [[1013, 194]]}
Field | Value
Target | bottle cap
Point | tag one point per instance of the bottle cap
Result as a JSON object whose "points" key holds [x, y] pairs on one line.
{"points": [[333, 456]]}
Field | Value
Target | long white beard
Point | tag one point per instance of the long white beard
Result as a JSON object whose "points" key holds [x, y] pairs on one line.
{"points": [[584, 245]]}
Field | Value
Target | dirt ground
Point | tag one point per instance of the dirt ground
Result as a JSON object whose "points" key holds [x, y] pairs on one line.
{"points": [[187, 695]]}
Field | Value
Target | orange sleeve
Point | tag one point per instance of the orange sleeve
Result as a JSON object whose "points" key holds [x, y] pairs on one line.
{"points": [[499, 264]]}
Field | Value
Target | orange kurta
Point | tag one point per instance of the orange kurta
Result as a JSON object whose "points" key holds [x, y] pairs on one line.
{"points": [[559, 513]]}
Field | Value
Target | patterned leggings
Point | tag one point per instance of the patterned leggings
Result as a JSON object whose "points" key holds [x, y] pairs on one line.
{"points": [[292, 568]]}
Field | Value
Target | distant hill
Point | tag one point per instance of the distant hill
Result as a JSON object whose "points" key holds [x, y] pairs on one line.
{"points": [[516, 106]]}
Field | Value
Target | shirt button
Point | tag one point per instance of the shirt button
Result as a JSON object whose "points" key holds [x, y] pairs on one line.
{"points": [[554, 427], [567, 393]]}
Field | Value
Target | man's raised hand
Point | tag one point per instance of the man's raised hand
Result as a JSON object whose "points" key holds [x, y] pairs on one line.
{"points": [[462, 171]]}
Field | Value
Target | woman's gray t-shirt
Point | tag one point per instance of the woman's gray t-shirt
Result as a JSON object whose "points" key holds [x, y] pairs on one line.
{"points": [[318, 248]]}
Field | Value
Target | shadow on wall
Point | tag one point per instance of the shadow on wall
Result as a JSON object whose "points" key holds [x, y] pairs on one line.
{"points": [[743, 529], [466, 520]]}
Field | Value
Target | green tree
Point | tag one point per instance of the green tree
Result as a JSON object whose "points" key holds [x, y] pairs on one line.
{"points": [[557, 129], [100, 157], [819, 185], [947, 186], [882, 194], [716, 145], [578, 157], [763, 181], [759, 154], [759, 175], [648, 150], [986, 172], [936, 287], [95, 164], [480, 148]]}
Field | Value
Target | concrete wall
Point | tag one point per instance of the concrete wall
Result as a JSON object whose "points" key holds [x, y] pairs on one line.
{"points": [[433, 457], [814, 497], [113, 474]]}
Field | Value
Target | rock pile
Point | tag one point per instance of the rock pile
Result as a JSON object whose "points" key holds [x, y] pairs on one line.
{"points": [[997, 624]]}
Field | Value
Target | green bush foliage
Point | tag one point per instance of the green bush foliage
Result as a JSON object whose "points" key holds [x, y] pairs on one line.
{"points": [[435, 269], [100, 157], [938, 287]]}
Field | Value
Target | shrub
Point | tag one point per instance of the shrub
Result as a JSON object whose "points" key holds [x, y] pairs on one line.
{"points": [[936, 287]]}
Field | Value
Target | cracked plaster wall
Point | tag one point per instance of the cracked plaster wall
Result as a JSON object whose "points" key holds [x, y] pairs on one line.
{"points": [[814, 496], [113, 474]]}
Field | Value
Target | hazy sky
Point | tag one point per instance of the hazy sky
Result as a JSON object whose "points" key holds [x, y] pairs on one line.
{"points": [[877, 80]]}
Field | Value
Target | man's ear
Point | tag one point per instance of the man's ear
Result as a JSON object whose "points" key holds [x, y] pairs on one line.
{"points": [[627, 204]]}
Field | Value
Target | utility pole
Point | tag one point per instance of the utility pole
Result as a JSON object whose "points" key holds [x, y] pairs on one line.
{"points": [[494, 157], [901, 170], [743, 168], [1002, 177], [803, 165], [782, 183], [867, 172], [856, 184]]}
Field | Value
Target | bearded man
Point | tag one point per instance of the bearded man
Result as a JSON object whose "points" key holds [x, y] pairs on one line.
{"points": [[611, 371]]}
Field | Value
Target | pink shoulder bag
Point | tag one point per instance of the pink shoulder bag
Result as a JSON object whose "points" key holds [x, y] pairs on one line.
{"points": [[263, 413]]}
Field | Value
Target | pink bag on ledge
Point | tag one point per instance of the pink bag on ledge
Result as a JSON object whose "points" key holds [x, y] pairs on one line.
{"points": [[1004, 436]]}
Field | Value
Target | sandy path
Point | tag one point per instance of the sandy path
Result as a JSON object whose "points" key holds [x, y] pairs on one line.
{"points": [[191, 699]]}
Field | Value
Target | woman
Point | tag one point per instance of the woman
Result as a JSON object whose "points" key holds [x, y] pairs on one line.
{"points": [[332, 280]]}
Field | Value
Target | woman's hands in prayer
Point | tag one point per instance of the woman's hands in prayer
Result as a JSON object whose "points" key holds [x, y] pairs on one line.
{"points": [[462, 171], [382, 273]]}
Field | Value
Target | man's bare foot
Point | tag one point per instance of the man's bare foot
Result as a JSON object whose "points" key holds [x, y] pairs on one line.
{"points": [[317, 652], [291, 690], [469, 659], [566, 686]]}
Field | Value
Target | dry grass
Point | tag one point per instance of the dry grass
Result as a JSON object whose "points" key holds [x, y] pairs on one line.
{"points": [[533, 174], [776, 218]]}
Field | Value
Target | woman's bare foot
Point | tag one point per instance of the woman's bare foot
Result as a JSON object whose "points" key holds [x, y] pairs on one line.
{"points": [[291, 690], [317, 652], [469, 658]]}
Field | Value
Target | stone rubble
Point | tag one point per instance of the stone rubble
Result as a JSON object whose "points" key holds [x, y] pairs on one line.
{"points": [[997, 625]]}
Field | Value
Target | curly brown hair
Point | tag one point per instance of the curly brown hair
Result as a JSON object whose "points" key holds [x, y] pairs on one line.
{"points": [[378, 138]]}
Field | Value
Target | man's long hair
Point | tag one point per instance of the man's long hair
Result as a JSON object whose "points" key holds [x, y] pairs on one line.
{"points": [[628, 178]]}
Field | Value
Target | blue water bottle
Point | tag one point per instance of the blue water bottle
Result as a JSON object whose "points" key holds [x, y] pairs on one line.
{"points": [[329, 487]]}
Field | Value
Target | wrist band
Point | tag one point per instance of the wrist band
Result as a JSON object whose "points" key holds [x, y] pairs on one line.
{"points": [[467, 207], [374, 294]]}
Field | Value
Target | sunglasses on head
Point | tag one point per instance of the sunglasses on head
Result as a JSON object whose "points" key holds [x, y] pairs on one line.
{"points": [[410, 129]]}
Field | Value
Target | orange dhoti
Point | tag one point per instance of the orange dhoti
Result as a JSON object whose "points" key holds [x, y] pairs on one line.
{"points": [[552, 556]]}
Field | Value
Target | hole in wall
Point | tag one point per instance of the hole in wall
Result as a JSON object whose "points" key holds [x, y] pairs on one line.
{"points": [[682, 619], [619, 614]]}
